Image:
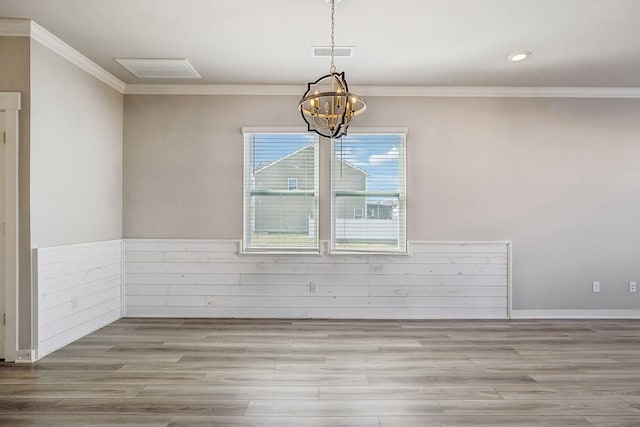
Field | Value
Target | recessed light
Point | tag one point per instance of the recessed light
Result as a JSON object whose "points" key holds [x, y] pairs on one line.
{"points": [[519, 56]]}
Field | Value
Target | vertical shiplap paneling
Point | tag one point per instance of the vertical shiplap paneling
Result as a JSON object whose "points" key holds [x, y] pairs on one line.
{"points": [[207, 278], [79, 291]]}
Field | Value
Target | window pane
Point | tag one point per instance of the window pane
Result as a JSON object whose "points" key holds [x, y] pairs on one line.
{"points": [[281, 192], [368, 189]]}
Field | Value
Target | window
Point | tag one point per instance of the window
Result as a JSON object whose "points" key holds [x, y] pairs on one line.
{"points": [[292, 183], [281, 192], [368, 193]]}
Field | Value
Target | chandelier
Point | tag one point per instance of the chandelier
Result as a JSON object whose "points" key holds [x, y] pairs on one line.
{"points": [[327, 106]]}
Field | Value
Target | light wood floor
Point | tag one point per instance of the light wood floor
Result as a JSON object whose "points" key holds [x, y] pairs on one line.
{"points": [[177, 372]]}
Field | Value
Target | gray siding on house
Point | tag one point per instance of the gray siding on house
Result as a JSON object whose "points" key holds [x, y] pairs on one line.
{"points": [[286, 213], [349, 178]]}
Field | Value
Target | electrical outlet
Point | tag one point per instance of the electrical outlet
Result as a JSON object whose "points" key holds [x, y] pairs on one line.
{"points": [[632, 286], [596, 286]]}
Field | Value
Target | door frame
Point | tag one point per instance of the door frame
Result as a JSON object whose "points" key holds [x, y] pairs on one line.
{"points": [[10, 104]]}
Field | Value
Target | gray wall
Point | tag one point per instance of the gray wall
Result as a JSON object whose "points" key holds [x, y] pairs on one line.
{"points": [[76, 154], [558, 177], [15, 77], [183, 162]]}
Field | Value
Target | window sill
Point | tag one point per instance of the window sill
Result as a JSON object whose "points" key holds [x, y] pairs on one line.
{"points": [[277, 252], [367, 253], [326, 245], [323, 250]]}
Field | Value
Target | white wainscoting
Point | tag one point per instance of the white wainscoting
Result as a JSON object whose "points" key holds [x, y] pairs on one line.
{"points": [[208, 278], [79, 290]]}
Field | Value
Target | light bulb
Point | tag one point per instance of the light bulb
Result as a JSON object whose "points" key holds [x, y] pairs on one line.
{"points": [[519, 56]]}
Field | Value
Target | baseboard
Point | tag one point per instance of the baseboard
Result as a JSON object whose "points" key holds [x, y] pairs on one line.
{"points": [[26, 356], [576, 314]]}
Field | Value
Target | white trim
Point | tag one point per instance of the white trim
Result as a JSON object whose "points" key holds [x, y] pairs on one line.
{"points": [[28, 28], [35, 304], [401, 91], [26, 356], [500, 91], [15, 27], [70, 54], [123, 290], [161, 240], [10, 103], [376, 130], [576, 314], [80, 245], [352, 129], [509, 280], [214, 89], [273, 129]]}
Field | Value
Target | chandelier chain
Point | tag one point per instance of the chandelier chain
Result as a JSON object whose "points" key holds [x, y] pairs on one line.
{"points": [[327, 106], [333, 44]]}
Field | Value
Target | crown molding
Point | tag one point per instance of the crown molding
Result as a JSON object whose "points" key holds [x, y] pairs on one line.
{"points": [[212, 89], [15, 28], [28, 28], [500, 91], [400, 91], [70, 54]]}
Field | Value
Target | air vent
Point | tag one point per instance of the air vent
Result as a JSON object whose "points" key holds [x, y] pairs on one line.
{"points": [[154, 68], [325, 51]]}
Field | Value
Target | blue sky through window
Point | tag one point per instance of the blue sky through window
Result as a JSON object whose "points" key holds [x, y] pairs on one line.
{"points": [[378, 155]]}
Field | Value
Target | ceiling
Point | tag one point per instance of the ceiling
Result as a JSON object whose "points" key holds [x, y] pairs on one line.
{"points": [[575, 43]]}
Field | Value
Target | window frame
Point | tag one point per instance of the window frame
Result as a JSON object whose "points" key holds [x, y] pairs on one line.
{"points": [[245, 246]]}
